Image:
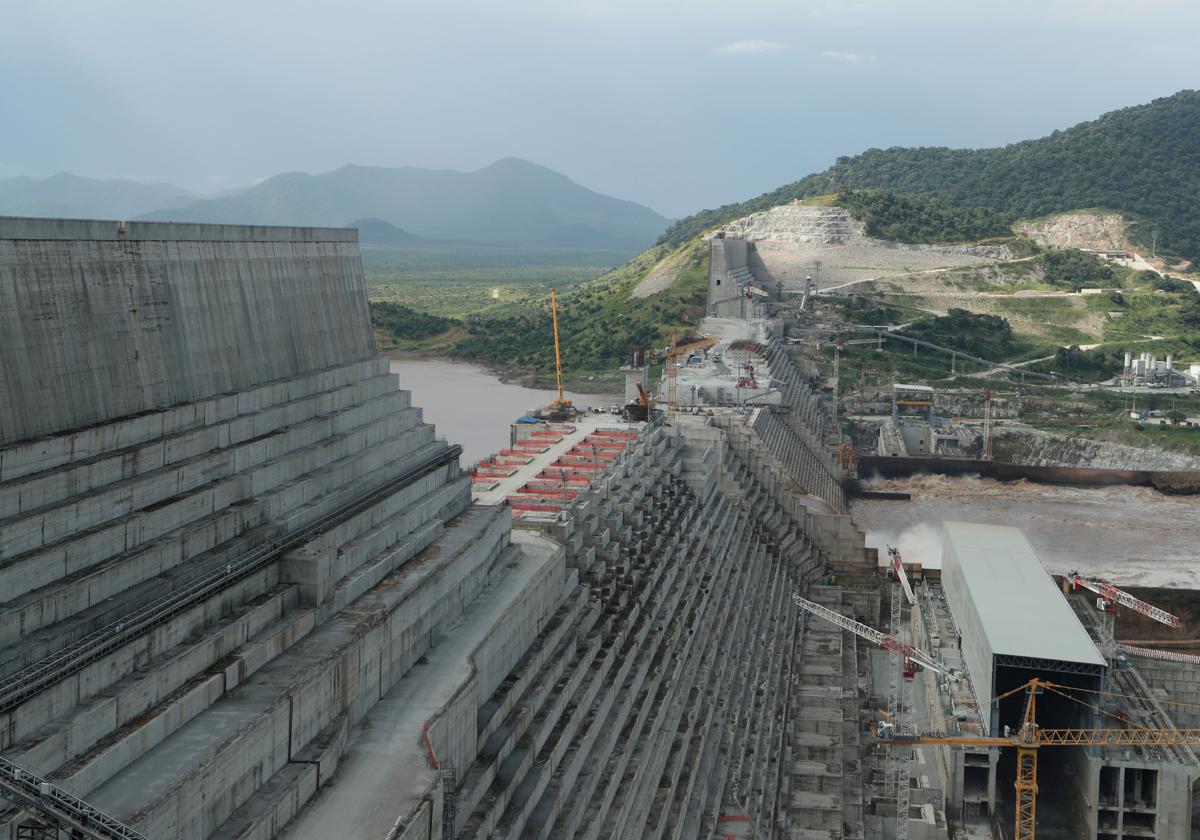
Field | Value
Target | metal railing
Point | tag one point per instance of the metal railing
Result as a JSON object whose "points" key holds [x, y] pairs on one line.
{"points": [[56, 805]]}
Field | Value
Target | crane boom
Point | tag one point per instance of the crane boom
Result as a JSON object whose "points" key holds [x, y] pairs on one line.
{"points": [[1136, 737], [884, 640], [898, 570], [1156, 653], [1113, 595]]}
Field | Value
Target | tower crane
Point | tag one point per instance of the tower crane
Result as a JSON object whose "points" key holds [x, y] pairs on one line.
{"points": [[1110, 597], [670, 365], [896, 773], [913, 656], [561, 408], [1029, 738], [899, 576]]}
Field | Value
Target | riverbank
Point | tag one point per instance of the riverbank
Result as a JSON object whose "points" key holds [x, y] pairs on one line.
{"points": [[594, 386], [474, 407]]}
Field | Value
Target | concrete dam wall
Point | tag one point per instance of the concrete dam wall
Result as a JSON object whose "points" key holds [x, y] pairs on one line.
{"points": [[100, 320], [225, 591]]}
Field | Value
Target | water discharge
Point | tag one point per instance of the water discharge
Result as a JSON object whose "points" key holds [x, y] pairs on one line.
{"points": [[1128, 535]]}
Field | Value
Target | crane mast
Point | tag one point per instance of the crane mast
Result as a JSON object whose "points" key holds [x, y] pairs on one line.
{"points": [[1029, 737]]}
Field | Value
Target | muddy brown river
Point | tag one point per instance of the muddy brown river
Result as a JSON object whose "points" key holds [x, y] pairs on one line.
{"points": [[1128, 535]]}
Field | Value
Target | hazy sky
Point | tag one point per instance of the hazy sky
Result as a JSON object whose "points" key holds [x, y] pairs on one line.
{"points": [[679, 104]]}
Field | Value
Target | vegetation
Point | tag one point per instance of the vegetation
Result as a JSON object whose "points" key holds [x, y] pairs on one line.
{"points": [[456, 281], [1075, 269], [407, 324], [1143, 161], [988, 336], [598, 322], [899, 218]]}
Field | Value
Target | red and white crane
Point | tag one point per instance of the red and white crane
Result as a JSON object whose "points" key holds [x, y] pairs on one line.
{"points": [[898, 575], [913, 656], [1110, 596]]}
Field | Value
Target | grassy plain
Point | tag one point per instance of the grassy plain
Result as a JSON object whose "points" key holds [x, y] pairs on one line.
{"points": [[459, 280]]}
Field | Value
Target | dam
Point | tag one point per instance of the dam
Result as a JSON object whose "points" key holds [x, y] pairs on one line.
{"points": [[247, 591]]}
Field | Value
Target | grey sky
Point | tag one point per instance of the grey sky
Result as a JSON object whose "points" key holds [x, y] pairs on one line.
{"points": [[679, 104]]}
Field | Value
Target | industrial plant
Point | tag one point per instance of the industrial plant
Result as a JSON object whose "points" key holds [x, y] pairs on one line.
{"points": [[247, 591]]}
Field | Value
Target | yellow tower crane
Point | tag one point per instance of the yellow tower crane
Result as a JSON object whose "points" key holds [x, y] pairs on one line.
{"points": [[1030, 737], [561, 407]]}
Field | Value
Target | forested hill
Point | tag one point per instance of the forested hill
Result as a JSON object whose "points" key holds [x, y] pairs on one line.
{"points": [[1143, 161]]}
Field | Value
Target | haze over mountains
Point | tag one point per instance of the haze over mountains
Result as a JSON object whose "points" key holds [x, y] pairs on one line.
{"points": [[70, 196], [511, 201]]}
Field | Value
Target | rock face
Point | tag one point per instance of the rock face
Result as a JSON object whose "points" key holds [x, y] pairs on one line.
{"points": [[1101, 231], [789, 243], [1029, 446]]}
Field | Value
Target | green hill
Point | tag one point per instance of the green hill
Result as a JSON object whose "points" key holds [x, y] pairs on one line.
{"points": [[1143, 161]]}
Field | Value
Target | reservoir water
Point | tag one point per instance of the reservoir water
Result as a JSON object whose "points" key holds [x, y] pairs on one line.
{"points": [[470, 406]]}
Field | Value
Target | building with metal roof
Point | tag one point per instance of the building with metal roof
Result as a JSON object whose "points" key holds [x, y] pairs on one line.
{"points": [[1012, 618]]}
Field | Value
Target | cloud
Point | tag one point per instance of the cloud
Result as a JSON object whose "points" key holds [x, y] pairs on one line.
{"points": [[749, 48], [848, 57]]}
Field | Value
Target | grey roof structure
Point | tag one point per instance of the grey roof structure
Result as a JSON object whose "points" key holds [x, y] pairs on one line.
{"points": [[1020, 610]]}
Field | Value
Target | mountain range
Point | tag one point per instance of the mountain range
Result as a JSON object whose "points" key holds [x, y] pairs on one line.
{"points": [[70, 196], [512, 201], [1143, 161]]}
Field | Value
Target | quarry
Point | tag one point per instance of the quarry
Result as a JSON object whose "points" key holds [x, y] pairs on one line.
{"points": [[247, 591]]}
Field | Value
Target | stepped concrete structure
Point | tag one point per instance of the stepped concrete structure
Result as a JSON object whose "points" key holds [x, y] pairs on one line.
{"points": [[245, 592]]}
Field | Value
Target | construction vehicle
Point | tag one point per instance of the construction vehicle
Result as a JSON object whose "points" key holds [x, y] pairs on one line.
{"points": [[640, 410], [561, 408], [1109, 598]]}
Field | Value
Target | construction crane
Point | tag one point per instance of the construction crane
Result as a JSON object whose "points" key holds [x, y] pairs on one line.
{"points": [[561, 408], [1110, 596], [899, 576], [1029, 738], [913, 656], [988, 395], [671, 370], [896, 772]]}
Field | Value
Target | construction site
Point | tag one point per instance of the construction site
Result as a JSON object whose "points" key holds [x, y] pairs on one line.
{"points": [[246, 591]]}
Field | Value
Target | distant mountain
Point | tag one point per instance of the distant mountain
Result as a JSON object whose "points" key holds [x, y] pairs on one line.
{"points": [[70, 196], [511, 201], [373, 231], [1143, 161]]}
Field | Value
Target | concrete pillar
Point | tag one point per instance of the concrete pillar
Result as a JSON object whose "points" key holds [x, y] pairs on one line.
{"points": [[311, 567]]}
